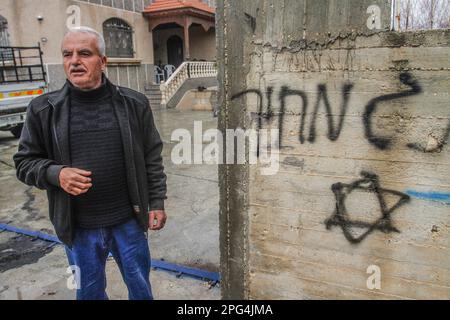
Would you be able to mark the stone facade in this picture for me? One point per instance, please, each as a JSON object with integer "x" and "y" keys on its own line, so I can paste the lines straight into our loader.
{"x": 45, "y": 21}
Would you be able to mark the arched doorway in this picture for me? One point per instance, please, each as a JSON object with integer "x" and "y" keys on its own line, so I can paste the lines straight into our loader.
{"x": 175, "y": 51}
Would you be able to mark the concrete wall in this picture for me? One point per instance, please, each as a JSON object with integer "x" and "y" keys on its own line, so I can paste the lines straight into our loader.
{"x": 26, "y": 30}
{"x": 203, "y": 44}
{"x": 363, "y": 184}
{"x": 191, "y": 84}
{"x": 195, "y": 100}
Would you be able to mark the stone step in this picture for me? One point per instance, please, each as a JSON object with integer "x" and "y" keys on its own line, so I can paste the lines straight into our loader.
{"x": 153, "y": 99}
{"x": 153, "y": 94}
{"x": 156, "y": 93}
{"x": 152, "y": 88}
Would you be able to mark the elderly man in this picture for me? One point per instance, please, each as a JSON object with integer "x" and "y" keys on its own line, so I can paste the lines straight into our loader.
{"x": 94, "y": 147}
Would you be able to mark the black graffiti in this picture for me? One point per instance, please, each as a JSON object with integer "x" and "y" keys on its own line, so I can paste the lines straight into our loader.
{"x": 334, "y": 126}
{"x": 333, "y": 133}
{"x": 260, "y": 114}
{"x": 251, "y": 21}
{"x": 342, "y": 218}
{"x": 286, "y": 92}
{"x": 384, "y": 143}
{"x": 260, "y": 101}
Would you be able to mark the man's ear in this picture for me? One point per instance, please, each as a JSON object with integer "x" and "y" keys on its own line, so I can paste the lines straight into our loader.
{"x": 104, "y": 63}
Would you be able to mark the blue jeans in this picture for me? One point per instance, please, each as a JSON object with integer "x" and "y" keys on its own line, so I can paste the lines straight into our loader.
{"x": 128, "y": 245}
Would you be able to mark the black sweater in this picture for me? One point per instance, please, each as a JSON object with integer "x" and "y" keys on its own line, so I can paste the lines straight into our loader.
{"x": 96, "y": 146}
{"x": 44, "y": 149}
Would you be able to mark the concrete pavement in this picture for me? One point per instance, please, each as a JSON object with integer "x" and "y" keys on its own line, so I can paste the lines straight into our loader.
{"x": 33, "y": 270}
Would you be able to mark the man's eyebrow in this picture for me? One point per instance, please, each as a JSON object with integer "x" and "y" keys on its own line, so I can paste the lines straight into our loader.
{"x": 83, "y": 50}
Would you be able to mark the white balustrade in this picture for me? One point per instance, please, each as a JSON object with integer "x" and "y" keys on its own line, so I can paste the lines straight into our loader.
{"x": 187, "y": 70}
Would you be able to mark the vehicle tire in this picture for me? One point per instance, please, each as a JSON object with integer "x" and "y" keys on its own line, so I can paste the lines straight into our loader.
{"x": 17, "y": 130}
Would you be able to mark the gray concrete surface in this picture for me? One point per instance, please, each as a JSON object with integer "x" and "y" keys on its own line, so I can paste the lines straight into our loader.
{"x": 31, "y": 270}
{"x": 356, "y": 105}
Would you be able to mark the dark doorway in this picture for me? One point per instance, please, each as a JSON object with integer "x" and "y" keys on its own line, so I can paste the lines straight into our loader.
{"x": 175, "y": 51}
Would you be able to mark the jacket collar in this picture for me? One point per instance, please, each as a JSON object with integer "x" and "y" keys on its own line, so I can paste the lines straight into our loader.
{"x": 61, "y": 118}
{"x": 60, "y": 96}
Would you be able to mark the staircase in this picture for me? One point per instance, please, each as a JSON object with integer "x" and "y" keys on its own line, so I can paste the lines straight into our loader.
{"x": 187, "y": 70}
{"x": 188, "y": 76}
{"x": 153, "y": 93}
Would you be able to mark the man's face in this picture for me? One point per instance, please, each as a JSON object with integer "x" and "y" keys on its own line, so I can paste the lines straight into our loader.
{"x": 82, "y": 61}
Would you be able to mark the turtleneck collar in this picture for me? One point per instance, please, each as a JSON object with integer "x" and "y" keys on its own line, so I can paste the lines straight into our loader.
{"x": 93, "y": 95}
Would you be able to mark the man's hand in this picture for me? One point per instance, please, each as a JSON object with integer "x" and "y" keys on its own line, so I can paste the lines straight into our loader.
{"x": 157, "y": 219}
{"x": 75, "y": 181}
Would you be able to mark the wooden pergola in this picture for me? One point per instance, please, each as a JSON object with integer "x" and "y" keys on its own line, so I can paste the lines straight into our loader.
{"x": 183, "y": 13}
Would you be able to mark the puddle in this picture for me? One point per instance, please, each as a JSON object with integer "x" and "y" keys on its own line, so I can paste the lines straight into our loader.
{"x": 21, "y": 250}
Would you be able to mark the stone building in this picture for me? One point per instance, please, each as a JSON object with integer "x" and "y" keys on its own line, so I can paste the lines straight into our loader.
{"x": 139, "y": 34}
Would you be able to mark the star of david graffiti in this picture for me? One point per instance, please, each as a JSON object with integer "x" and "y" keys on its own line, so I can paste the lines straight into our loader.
{"x": 341, "y": 217}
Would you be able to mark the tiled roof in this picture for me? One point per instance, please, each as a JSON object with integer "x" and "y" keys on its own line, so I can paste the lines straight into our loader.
{"x": 167, "y": 5}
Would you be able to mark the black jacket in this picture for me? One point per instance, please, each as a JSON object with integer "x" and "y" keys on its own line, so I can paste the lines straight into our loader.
{"x": 44, "y": 150}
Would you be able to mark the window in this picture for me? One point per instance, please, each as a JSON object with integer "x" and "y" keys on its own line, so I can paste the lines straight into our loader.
{"x": 118, "y": 38}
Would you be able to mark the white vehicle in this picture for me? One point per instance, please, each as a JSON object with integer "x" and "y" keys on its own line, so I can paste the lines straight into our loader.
{"x": 22, "y": 78}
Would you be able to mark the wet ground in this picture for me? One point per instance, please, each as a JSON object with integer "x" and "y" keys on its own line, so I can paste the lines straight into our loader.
{"x": 35, "y": 269}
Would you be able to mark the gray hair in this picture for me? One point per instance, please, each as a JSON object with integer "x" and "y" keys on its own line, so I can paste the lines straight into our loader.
{"x": 100, "y": 40}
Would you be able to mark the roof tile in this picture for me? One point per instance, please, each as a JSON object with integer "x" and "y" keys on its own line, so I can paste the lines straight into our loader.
{"x": 166, "y": 5}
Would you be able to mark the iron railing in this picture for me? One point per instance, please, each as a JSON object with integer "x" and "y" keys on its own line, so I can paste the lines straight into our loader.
{"x": 21, "y": 64}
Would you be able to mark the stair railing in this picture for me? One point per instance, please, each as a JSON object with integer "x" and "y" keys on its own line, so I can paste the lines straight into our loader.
{"x": 187, "y": 70}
